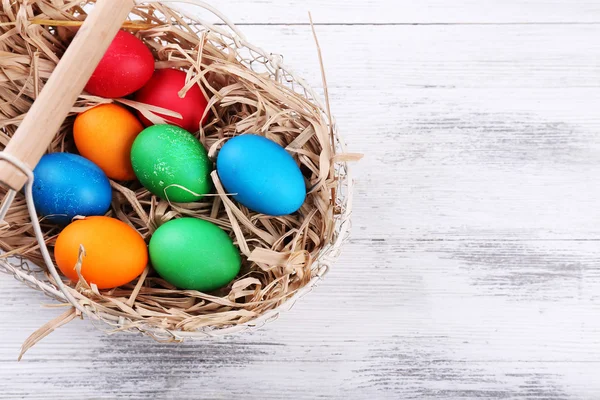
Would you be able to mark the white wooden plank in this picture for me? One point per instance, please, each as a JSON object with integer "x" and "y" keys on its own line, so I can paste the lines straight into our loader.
{"x": 410, "y": 11}
{"x": 455, "y": 168}
{"x": 395, "y": 319}
{"x": 392, "y": 59}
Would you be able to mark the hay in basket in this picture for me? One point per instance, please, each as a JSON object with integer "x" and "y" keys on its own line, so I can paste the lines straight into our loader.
{"x": 249, "y": 91}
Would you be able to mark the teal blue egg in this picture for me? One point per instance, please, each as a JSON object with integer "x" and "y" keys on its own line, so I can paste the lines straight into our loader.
{"x": 261, "y": 175}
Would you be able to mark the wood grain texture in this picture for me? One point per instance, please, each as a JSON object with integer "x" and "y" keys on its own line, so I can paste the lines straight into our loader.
{"x": 409, "y": 11}
{"x": 473, "y": 270}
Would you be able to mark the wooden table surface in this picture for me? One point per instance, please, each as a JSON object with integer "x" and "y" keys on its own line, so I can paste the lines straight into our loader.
{"x": 473, "y": 271}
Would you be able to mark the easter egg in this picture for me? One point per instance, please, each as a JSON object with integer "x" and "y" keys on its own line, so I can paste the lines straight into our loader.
{"x": 125, "y": 67}
{"x": 171, "y": 163}
{"x": 115, "y": 253}
{"x": 163, "y": 91}
{"x": 194, "y": 254}
{"x": 261, "y": 175}
{"x": 104, "y": 135}
{"x": 66, "y": 185}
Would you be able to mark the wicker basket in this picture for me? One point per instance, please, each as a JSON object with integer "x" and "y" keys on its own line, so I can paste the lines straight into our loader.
{"x": 47, "y": 279}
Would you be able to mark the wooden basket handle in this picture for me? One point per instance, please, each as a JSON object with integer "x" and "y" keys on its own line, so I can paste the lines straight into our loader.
{"x": 66, "y": 83}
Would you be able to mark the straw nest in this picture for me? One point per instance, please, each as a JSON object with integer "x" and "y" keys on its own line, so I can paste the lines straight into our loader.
{"x": 246, "y": 95}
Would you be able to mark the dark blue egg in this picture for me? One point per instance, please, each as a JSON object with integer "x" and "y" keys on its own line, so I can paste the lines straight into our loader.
{"x": 261, "y": 175}
{"x": 66, "y": 185}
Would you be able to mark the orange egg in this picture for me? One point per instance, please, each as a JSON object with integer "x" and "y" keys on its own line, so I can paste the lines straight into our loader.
{"x": 104, "y": 135}
{"x": 115, "y": 253}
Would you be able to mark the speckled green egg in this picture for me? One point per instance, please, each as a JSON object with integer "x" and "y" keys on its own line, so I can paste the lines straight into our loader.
{"x": 194, "y": 254}
{"x": 171, "y": 163}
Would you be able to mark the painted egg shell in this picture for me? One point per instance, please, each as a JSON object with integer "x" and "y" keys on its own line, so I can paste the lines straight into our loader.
{"x": 125, "y": 67}
{"x": 66, "y": 185}
{"x": 163, "y": 91}
{"x": 115, "y": 253}
{"x": 104, "y": 135}
{"x": 261, "y": 175}
{"x": 194, "y": 254}
{"x": 171, "y": 163}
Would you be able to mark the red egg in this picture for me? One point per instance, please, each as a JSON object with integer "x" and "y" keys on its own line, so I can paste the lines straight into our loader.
{"x": 125, "y": 67}
{"x": 162, "y": 91}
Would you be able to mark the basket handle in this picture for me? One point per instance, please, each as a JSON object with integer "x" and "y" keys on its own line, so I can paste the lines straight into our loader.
{"x": 49, "y": 110}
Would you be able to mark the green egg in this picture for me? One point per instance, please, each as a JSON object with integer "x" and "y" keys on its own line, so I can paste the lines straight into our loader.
{"x": 166, "y": 159}
{"x": 194, "y": 254}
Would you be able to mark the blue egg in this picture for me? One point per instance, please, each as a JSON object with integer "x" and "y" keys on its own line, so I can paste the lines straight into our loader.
{"x": 66, "y": 185}
{"x": 261, "y": 175}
